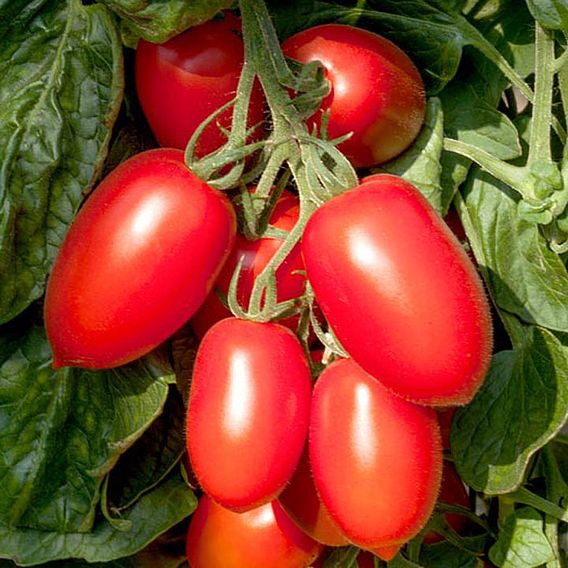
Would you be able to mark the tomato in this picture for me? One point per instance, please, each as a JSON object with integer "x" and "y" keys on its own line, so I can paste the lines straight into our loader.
{"x": 302, "y": 503}
{"x": 452, "y": 492}
{"x": 445, "y": 419}
{"x": 182, "y": 81}
{"x": 376, "y": 458}
{"x": 291, "y": 279}
{"x": 399, "y": 291}
{"x": 261, "y": 538}
{"x": 376, "y": 91}
{"x": 248, "y": 411}
{"x": 137, "y": 262}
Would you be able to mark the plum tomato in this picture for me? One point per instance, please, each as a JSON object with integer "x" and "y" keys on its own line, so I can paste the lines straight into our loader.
{"x": 399, "y": 291}
{"x": 183, "y": 80}
{"x": 291, "y": 279}
{"x": 248, "y": 413}
{"x": 138, "y": 260}
{"x": 261, "y": 538}
{"x": 302, "y": 503}
{"x": 380, "y": 99}
{"x": 376, "y": 458}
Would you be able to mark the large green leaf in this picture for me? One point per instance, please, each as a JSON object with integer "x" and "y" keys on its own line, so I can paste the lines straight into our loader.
{"x": 551, "y": 14}
{"x": 156, "y": 512}
{"x": 524, "y": 276}
{"x": 159, "y": 20}
{"x": 446, "y": 555}
{"x": 62, "y": 431}
{"x": 522, "y": 404}
{"x": 59, "y": 96}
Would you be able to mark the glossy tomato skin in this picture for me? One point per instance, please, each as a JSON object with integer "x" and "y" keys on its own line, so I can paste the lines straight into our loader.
{"x": 290, "y": 276}
{"x": 248, "y": 411}
{"x": 137, "y": 262}
{"x": 182, "y": 81}
{"x": 376, "y": 458}
{"x": 377, "y": 92}
{"x": 302, "y": 503}
{"x": 423, "y": 325}
{"x": 261, "y": 538}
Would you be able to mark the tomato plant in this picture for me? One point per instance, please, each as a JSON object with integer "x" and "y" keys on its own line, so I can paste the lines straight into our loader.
{"x": 426, "y": 333}
{"x": 264, "y": 538}
{"x": 182, "y": 81}
{"x": 132, "y": 269}
{"x": 376, "y": 458}
{"x": 248, "y": 411}
{"x": 380, "y": 99}
{"x": 255, "y": 256}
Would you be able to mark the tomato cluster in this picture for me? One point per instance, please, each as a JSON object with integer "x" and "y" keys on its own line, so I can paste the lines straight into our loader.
{"x": 285, "y": 467}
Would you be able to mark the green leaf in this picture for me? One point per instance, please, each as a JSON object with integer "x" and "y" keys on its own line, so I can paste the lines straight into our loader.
{"x": 522, "y": 542}
{"x": 155, "y": 513}
{"x": 342, "y": 557}
{"x": 59, "y": 96}
{"x": 159, "y": 20}
{"x": 62, "y": 431}
{"x": 420, "y": 164}
{"x": 524, "y": 276}
{"x": 18, "y": 12}
{"x": 551, "y": 14}
{"x": 446, "y": 555}
{"x": 522, "y": 404}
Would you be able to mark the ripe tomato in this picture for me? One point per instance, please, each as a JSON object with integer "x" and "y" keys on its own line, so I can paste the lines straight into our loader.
{"x": 256, "y": 255}
{"x": 380, "y": 98}
{"x": 182, "y": 81}
{"x": 423, "y": 326}
{"x": 137, "y": 262}
{"x": 248, "y": 411}
{"x": 302, "y": 503}
{"x": 376, "y": 458}
{"x": 262, "y": 538}
{"x": 452, "y": 492}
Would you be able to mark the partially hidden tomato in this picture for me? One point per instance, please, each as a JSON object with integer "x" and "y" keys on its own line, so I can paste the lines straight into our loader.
{"x": 452, "y": 492}
{"x": 183, "y": 80}
{"x": 248, "y": 411}
{"x": 261, "y": 538}
{"x": 255, "y": 255}
{"x": 302, "y": 503}
{"x": 376, "y": 458}
{"x": 138, "y": 260}
{"x": 399, "y": 291}
{"x": 376, "y": 91}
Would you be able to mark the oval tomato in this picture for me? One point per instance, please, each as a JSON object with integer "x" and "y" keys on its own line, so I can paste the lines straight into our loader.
{"x": 380, "y": 99}
{"x": 262, "y": 538}
{"x": 137, "y": 262}
{"x": 182, "y": 81}
{"x": 376, "y": 458}
{"x": 248, "y": 411}
{"x": 290, "y": 276}
{"x": 399, "y": 291}
{"x": 302, "y": 503}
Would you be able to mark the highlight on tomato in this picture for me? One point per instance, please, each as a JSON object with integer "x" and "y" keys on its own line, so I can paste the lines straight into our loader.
{"x": 255, "y": 255}
{"x": 261, "y": 538}
{"x": 183, "y": 80}
{"x": 137, "y": 261}
{"x": 248, "y": 412}
{"x": 376, "y": 458}
{"x": 423, "y": 325}
{"x": 380, "y": 99}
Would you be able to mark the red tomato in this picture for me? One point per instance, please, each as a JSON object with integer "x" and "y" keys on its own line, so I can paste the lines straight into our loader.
{"x": 137, "y": 262}
{"x": 262, "y": 538}
{"x": 452, "y": 492}
{"x": 182, "y": 81}
{"x": 445, "y": 418}
{"x": 376, "y": 458}
{"x": 376, "y": 91}
{"x": 248, "y": 411}
{"x": 302, "y": 503}
{"x": 256, "y": 255}
{"x": 399, "y": 291}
